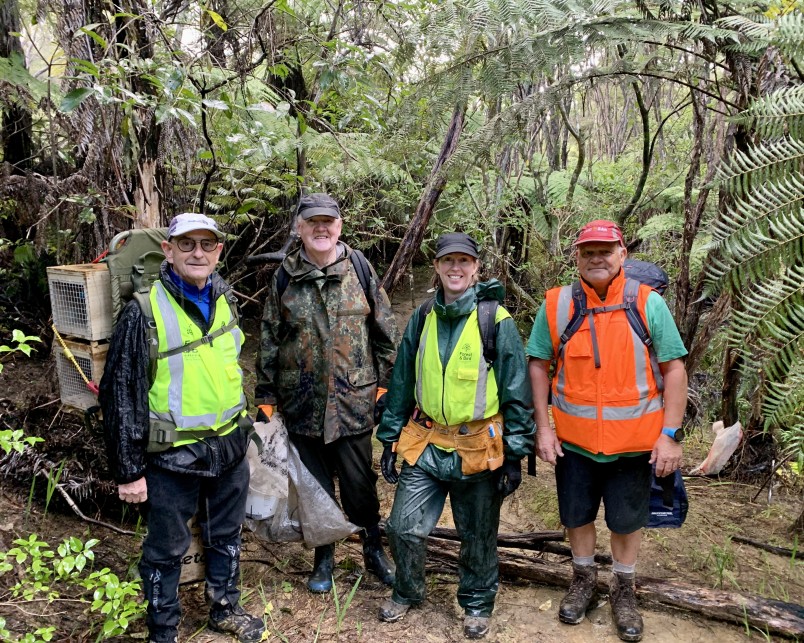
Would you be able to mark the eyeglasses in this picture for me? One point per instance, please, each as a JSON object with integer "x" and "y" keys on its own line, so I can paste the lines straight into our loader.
{"x": 185, "y": 244}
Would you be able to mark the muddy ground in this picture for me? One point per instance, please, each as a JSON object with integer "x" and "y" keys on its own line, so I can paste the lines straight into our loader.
{"x": 701, "y": 552}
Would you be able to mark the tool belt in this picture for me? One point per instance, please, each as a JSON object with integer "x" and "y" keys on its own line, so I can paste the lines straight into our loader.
{"x": 163, "y": 434}
{"x": 479, "y": 443}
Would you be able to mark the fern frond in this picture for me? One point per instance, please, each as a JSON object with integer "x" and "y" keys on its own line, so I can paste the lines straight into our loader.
{"x": 753, "y": 26}
{"x": 762, "y": 164}
{"x": 789, "y": 36}
{"x": 784, "y": 406}
{"x": 772, "y": 312}
{"x": 778, "y": 114}
{"x": 758, "y": 233}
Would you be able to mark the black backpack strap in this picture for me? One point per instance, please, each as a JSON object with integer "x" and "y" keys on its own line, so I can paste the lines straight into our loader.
{"x": 634, "y": 318}
{"x": 486, "y": 319}
{"x": 639, "y": 327}
{"x": 424, "y": 310}
{"x": 363, "y": 271}
{"x": 578, "y": 313}
{"x": 282, "y": 281}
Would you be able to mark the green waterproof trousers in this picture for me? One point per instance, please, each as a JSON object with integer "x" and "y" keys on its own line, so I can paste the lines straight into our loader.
{"x": 418, "y": 503}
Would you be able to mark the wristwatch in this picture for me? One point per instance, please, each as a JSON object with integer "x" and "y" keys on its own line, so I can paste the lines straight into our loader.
{"x": 676, "y": 434}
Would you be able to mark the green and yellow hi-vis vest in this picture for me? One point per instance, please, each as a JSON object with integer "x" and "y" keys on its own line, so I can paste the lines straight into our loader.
{"x": 198, "y": 386}
{"x": 473, "y": 391}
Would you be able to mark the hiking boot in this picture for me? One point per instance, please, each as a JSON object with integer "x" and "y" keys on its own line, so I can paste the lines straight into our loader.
{"x": 582, "y": 591}
{"x": 171, "y": 637}
{"x": 374, "y": 557}
{"x": 237, "y": 622}
{"x": 475, "y": 627}
{"x": 320, "y": 581}
{"x": 624, "y": 607}
{"x": 391, "y": 611}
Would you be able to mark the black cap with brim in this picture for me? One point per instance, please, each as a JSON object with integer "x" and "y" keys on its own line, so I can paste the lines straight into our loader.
{"x": 309, "y": 213}
{"x": 318, "y": 205}
{"x": 456, "y": 242}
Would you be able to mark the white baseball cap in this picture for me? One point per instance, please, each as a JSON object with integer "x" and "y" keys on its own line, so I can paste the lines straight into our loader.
{"x": 190, "y": 222}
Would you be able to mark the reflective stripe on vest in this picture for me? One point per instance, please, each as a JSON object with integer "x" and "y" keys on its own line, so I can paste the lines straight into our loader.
{"x": 472, "y": 385}
{"x": 201, "y": 388}
{"x": 628, "y": 415}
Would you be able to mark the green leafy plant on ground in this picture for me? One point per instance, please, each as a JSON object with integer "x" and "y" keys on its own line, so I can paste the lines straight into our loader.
{"x": 14, "y": 439}
{"x": 47, "y": 576}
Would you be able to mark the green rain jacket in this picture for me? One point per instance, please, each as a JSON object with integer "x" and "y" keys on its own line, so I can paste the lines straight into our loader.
{"x": 325, "y": 348}
{"x": 510, "y": 370}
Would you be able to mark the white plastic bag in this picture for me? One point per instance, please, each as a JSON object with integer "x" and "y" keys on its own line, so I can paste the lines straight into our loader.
{"x": 285, "y": 502}
{"x": 269, "y": 469}
{"x": 726, "y": 442}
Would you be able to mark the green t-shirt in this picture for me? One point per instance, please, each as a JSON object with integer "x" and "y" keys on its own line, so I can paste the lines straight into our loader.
{"x": 663, "y": 331}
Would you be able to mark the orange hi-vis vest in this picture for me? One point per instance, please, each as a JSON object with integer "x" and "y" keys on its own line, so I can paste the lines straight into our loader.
{"x": 616, "y": 407}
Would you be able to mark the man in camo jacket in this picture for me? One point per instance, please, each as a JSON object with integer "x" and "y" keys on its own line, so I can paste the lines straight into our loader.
{"x": 328, "y": 346}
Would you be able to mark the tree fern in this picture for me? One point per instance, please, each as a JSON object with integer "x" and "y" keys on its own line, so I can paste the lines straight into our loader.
{"x": 757, "y": 249}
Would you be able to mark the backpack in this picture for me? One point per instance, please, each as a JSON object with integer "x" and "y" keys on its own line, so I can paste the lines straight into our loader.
{"x": 486, "y": 316}
{"x": 636, "y": 273}
{"x": 361, "y": 267}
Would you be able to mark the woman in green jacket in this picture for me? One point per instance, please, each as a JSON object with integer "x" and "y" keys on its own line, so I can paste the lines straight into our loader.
{"x": 461, "y": 419}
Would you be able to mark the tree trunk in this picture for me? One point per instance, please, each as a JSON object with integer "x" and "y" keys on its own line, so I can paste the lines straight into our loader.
{"x": 412, "y": 240}
{"x": 644, "y": 114}
{"x": 15, "y": 133}
{"x": 730, "y": 388}
{"x": 578, "y": 135}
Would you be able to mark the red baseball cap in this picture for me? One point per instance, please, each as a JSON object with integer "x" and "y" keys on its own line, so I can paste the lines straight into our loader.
{"x": 600, "y": 230}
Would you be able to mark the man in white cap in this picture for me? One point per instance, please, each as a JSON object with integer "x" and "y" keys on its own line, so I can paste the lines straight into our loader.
{"x": 176, "y": 427}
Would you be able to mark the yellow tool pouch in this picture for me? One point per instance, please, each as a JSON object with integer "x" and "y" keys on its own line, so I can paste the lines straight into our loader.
{"x": 479, "y": 443}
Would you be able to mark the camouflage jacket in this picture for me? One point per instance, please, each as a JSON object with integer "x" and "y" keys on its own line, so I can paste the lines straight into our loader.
{"x": 324, "y": 349}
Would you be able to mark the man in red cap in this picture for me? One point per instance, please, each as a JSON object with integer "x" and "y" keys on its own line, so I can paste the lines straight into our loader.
{"x": 617, "y": 405}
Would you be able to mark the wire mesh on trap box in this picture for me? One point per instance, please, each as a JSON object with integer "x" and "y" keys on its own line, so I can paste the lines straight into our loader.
{"x": 80, "y": 297}
{"x": 91, "y": 358}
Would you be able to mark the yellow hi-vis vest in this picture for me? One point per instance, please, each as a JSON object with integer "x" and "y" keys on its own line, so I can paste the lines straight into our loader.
{"x": 472, "y": 388}
{"x": 199, "y": 389}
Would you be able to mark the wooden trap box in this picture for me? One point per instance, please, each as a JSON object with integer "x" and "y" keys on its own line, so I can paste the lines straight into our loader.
{"x": 193, "y": 567}
{"x": 91, "y": 357}
{"x": 80, "y": 296}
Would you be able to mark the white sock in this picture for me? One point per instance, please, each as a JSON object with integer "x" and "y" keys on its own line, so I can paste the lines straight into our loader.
{"x": 619, "y": 568}
{"x": 583, "y": 561}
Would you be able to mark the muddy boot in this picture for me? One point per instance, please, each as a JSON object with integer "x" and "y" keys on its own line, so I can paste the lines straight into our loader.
{"x": 624, "y": 607}
{"x": 374, "y": 557}
{"x": 164, "y": 637}
{"x": 582, "y": 591}
{"x": 391, "y": 611}
{"x": 236, "y": 621}
{"x": 475, "y": 627}
{"x": 320, "y": 581}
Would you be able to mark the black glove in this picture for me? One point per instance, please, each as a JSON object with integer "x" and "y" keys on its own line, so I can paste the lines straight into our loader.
{"x": 510, "y": 477}
{"x": 379, "y": 408}
{"x": 388, "y": 465}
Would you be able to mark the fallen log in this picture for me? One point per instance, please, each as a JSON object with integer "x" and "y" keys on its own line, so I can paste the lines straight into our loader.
{"x": 782, "y": 551}
{"x": 775, "y": 617}
{"x": 531, "y": 541}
